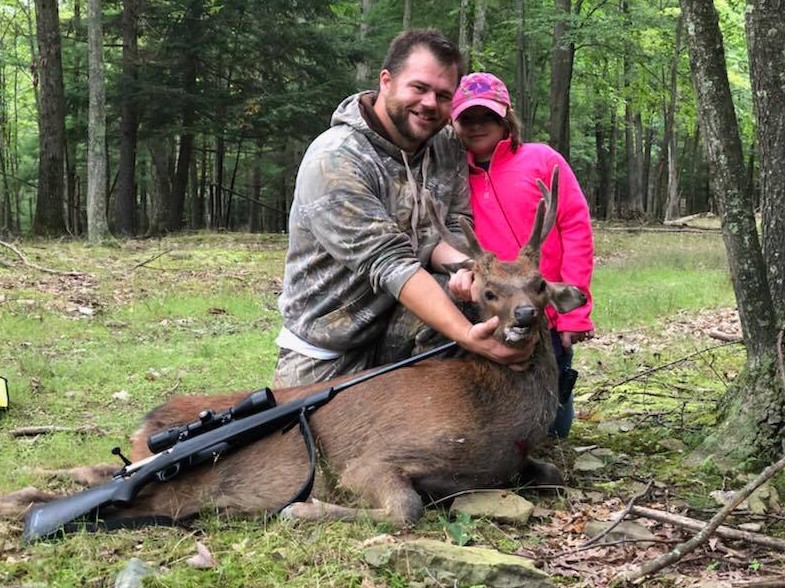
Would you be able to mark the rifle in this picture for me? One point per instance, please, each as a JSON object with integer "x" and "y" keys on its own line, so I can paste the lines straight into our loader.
{"x": 182, "y": 448}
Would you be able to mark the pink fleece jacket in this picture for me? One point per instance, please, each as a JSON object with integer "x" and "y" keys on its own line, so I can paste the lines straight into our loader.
{"x": 504, "y": 201}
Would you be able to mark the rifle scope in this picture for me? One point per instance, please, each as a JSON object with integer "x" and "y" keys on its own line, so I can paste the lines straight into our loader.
{"x": 208, "y": 420}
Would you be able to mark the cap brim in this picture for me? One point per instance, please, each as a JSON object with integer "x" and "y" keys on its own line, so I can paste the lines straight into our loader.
{"x": 492, "y": 105}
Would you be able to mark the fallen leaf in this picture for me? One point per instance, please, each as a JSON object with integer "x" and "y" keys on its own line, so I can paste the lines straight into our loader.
{"x": 203, "y": 560}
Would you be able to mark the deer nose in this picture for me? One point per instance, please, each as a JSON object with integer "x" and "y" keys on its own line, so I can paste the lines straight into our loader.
{"x": 525, "y": 316}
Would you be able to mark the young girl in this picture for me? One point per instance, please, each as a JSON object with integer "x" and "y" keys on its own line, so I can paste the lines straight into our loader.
{"x": 503, "y": 174}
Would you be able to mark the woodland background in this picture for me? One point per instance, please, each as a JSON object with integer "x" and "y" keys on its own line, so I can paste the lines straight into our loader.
{"x": 192, "y": 114}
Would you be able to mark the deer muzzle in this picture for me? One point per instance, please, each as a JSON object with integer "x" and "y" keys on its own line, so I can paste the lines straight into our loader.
{"x": 525, "y": 317}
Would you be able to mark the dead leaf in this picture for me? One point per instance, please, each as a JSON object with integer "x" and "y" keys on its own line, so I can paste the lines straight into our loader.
{"x": 203, "y": 560}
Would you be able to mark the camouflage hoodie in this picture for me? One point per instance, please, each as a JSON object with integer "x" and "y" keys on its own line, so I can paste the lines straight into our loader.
{"x": 352, "y": 245}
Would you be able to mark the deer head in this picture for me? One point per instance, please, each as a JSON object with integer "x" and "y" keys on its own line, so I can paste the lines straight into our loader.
{"x": 515, "y": 291}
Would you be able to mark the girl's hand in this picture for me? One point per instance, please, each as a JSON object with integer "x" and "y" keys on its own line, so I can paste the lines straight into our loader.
{"x": 460, "y": 284}
{"x": 570, "y": 337}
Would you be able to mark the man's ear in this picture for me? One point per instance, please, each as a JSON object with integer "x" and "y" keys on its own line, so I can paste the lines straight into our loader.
{"x": 384, "y": 80}
{"x": 564, "y": 297}
{"x": 454, "y": 267}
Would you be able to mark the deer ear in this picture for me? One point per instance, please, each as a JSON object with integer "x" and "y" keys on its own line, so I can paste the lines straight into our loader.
{"x": 565, "y": 298}
{"x": 454, "y": 267}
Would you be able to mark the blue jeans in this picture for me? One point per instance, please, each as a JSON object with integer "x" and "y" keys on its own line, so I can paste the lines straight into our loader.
{"x": 566, "y": 413}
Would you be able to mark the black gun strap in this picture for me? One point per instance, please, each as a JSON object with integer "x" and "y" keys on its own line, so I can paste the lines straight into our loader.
{"x": 305, "y": 490}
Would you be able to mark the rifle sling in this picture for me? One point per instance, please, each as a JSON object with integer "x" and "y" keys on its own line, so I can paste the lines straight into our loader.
{"x": 305, "y": 490}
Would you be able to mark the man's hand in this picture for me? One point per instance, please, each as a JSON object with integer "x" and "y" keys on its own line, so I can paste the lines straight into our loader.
{"x": 568, "y": 338}
{"x": 480, "y": 340}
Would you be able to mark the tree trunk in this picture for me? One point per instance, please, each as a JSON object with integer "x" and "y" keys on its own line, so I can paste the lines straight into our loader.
{"x": 161, "y": 188}
{"x": 193, "y": 24}
{"x": 363, "y": 75}
{"x": 463, "y": 33}
{"x": 97, "y": 228}
{"x": 765, "y": 42}
{"x": 672, "y": 208}
{"x": 562, "y": 57}
{"x": 478, "y": 31}
{"x": 524, "y": 78}
{"x": 633, "y": 203}
{"x": 6, "y": 213}
{"x": 73, "y": 186}
{"x": 125, "y": 201}
{"x": 255, "y": 209}
{"x": 407, "y": 14}
{"x": 603, "y": 189}
{"x": 752, "y": 423}
{"x": 196, "y": 219}
{"x": 49, "y": 219}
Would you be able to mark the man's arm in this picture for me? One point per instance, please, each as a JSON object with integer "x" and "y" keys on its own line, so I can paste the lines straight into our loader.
{"x": 423, "y": 295}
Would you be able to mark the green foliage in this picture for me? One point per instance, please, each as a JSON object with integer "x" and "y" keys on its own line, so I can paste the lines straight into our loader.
{"x": 460, "y": 530}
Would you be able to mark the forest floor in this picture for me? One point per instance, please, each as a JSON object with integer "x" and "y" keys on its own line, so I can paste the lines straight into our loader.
{"x": 93, "y": 337}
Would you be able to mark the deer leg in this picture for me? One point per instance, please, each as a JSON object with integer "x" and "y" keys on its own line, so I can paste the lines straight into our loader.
{"x": 17, "y": 503}
{"x": 392, "y": 495}
{"x": 540, "y": 474}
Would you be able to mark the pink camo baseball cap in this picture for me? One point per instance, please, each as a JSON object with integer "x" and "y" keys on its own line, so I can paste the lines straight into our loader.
{"x": 481, "y": 89}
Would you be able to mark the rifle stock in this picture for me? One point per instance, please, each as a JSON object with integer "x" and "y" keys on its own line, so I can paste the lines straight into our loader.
{"x": 46, "y": 520}
{"x": 49, "y": 519}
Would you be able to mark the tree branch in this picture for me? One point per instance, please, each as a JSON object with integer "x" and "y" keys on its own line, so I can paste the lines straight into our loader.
{"x": 703, "y": 536}
{"x": 38, "y": 267}
{"x": 697, "y": 525}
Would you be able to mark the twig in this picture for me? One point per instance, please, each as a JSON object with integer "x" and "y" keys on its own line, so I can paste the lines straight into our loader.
{"x": 152, "y": 259}
{"x": 28, "y": 263}
{"x": 723, "y": 336}
{"x": 697, "y": 525}
{"x": 621, "y": 516}
{"x": 48, "y": 429}
{"x": 675, "y": 229}
{"x": 702, "y": 537}
{"x": 657, "y": 368}
{"x": 770, "y": 582}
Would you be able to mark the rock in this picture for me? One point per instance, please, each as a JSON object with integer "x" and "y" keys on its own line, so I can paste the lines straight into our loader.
{"x": 133, "y": 574}
{"x": 458, "y": 566}
{"x": 671, "y": 444}
{"x": 588, "y": 463}
{"x": 502, "y": 505}
{"x": 628, "y": 530}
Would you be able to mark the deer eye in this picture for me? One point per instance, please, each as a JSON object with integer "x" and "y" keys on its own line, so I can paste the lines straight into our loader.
{"x": 541, "y": 287}
{"x": 489, "y": 295}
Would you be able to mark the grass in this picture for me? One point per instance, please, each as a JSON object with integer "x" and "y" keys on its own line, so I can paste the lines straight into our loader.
{"x": 197, "y": 313}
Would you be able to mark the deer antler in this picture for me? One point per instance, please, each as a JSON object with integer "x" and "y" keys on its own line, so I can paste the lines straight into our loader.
{"x": 473, "y": 250}
{"x": 546, "y": 214}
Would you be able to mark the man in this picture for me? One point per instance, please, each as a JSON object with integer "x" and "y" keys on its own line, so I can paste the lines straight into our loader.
{"x": 359, "y": 235}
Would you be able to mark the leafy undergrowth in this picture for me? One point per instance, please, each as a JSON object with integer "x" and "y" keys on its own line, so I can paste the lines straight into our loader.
{"x": 143, "y": 320}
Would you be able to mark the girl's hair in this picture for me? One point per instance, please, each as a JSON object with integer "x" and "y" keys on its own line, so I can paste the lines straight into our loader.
{"x": 512, "y": 129}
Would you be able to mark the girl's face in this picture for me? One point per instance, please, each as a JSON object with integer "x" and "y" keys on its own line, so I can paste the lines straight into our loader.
{"x": 480, "y": 129}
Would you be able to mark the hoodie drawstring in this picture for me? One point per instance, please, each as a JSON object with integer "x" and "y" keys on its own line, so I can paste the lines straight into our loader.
{"x": 419, "y": 195}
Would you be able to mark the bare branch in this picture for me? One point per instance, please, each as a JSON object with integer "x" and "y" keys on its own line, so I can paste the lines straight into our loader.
{"x": 703, "y": 536}
{"x": 696, "y": 525}
{"x": 28, "y": 263}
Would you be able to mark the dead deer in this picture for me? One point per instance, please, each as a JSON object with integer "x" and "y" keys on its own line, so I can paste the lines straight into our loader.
{"x": 431, "y": 430}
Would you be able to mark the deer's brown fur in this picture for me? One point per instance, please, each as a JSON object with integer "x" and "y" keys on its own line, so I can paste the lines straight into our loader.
{"x": 433, "y": 429}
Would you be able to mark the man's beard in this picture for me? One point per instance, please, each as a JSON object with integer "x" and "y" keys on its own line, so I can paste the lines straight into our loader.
{"x": 399, "y": 115}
